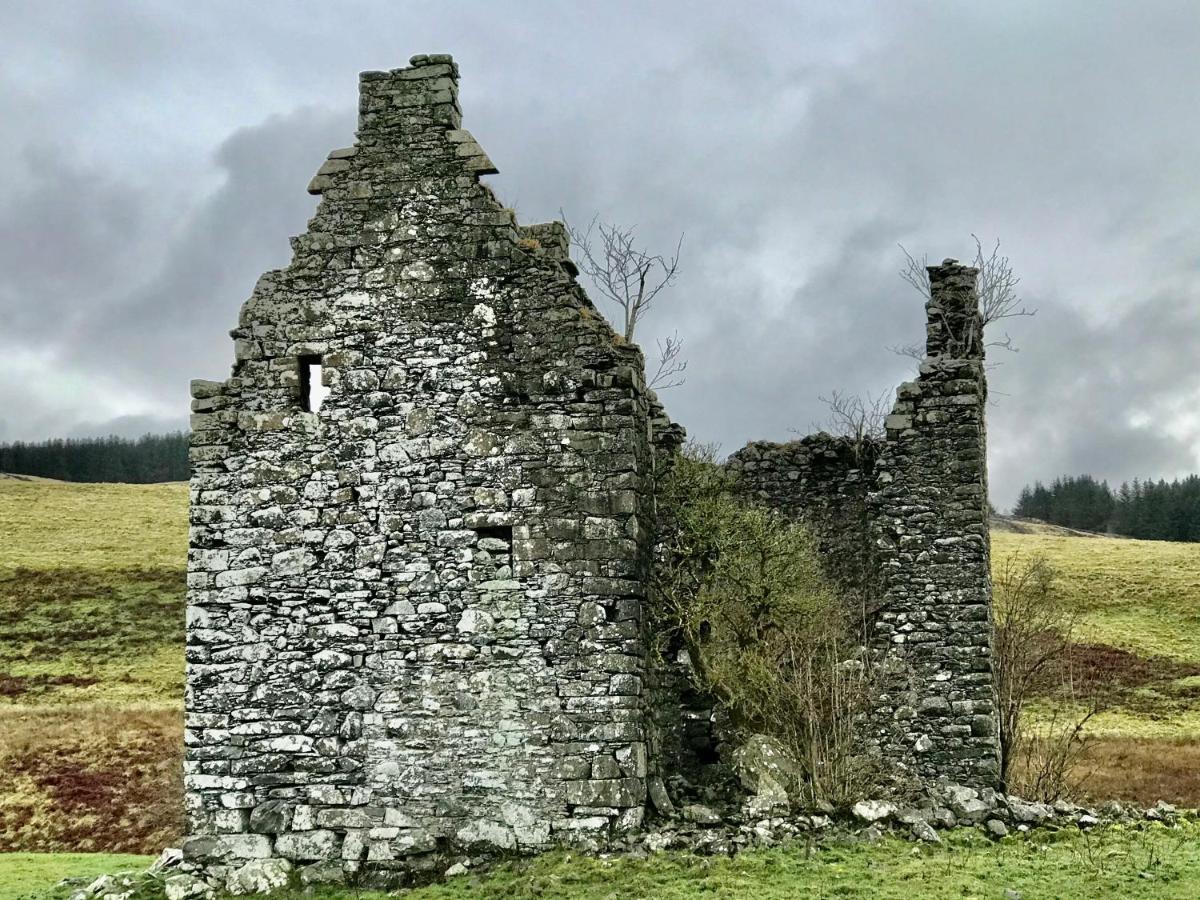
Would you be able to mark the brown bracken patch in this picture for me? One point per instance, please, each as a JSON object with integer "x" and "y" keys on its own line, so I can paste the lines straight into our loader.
{"x": 103, "y": 780}
{"x": 1098, "y": 669}
{"x": 1143, "y": 771}
{"x": 17, "y": 685}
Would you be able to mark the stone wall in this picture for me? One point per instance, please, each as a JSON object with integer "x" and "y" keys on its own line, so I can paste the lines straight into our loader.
{"x": 416, "y": 608}
{"x": 415, "y": 613}
{"x": 934, "y": 632}
{"x": 824, "y": 481}
{"x": 902, "y": 524}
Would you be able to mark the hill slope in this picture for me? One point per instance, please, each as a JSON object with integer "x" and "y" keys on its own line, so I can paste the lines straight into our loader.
{"x": 91, "y": 664}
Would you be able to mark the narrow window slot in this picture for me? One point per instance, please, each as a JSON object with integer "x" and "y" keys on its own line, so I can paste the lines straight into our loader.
{"x": 312, "y": 391}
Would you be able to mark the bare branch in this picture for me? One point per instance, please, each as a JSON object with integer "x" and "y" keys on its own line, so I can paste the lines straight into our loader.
{"x": 912, "y": 351}
{"x": 916, "y": 272}
{"x": 857, "y": 417}
{"x": 996, "y": 286}
{"x": 670, "y": 367}
{"x": 625, "y": 273}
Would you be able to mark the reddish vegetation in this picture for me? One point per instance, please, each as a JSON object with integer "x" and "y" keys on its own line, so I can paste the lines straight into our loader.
{"x": 1101, "y": 666}
{"x": 17, "y": 685}
{"x": 1110, "y": 674}
{"x": 90, "y": 781}
{"x": 1143, "y": 771}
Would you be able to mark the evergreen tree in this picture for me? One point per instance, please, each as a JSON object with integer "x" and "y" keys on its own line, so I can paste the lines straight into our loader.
{"x": 150, "y": 458}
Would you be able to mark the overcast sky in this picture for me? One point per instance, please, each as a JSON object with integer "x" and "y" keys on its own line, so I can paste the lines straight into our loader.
{"x": 155, "y": 155}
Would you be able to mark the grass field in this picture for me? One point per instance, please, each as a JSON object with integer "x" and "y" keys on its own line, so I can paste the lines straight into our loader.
{"x": 34, "y": 874}
{"x": 91, "y": 668}
{"x": 1116, "y": 862}
{"x": 91, "y": 633}
{"x": 1139, "y": 628}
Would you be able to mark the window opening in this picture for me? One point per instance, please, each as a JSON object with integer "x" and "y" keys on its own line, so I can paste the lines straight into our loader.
{"x": 312, "y": 391}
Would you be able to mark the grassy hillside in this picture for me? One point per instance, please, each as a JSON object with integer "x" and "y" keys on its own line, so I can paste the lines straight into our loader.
{"x": 91, "y": 668}
{"x": 91, "y": 635}
{"x": 1139, "y": 631}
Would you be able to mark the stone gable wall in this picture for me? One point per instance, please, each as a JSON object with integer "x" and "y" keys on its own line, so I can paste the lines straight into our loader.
{"x": 415, "y": 615}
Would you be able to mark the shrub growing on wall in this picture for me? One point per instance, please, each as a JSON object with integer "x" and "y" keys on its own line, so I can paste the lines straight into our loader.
{"x": 766, "y": 632}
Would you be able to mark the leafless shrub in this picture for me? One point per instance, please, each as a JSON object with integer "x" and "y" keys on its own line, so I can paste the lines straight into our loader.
{"x": 1031, "y": 647}
{"x": 858, "y": 417}
{"x": 1047, "y": 766}
{"x": 996, "y": 286}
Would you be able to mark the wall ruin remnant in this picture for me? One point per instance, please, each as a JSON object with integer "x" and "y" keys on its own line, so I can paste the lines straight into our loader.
{"x": 934, "y": 627}
{"x": 903, "y": 524}
{"x": 416, "y": 613}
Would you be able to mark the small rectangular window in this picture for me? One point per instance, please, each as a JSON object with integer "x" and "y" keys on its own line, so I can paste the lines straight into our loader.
{"x": 312, "y": 391}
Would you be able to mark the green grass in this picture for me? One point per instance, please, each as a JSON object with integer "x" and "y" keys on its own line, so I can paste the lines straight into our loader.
{"x": 52, "y": 525}
{"x": 968, "y": 865}
{"x": 1141, "y": 596}
{"x": 91, "y": 592}
{"x": 1112, "y": 862}
{"x": 34, "y": 874}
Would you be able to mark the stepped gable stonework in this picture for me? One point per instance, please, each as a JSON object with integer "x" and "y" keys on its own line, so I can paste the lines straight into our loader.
{"x": 416, "y": 605}
{"x": 902, "y": 524}
{"x": 415, "y": 612}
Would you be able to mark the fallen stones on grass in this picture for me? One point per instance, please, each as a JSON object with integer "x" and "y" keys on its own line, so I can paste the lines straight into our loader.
{"x": 871, "y": 811}
{"x": 996, "y": 828}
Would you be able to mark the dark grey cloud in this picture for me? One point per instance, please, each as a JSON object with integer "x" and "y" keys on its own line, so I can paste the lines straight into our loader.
{"x": 184, "y": 312}
{"x": 158, "y": 154}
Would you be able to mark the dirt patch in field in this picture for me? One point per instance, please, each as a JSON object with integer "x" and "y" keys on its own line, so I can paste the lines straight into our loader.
{"x": 1100, "y": 666}
{"x": 90, "y": 780}
{"x": 20, "y": 685}
{"x": 1112, "y": 675}
{"x": 1142, "y": 771}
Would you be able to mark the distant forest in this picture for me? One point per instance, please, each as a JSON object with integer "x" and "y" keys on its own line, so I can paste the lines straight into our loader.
{"x": 1152, "y": 510}
{"x": 152, "y": 457}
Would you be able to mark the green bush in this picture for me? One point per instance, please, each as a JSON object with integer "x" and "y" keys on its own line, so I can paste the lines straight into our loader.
{"x": 766, "y": 632}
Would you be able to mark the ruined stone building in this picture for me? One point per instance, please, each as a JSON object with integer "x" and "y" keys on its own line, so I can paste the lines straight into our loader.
{"x": 421, "y": 519}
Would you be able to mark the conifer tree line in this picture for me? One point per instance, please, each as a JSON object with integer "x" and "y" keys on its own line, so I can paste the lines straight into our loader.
{"x": 1152, "y": 510}
{"x": 150, "y": 458}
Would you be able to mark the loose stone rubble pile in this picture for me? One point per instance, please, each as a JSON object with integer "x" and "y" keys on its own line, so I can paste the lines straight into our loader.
{"x": 698, "y": 829}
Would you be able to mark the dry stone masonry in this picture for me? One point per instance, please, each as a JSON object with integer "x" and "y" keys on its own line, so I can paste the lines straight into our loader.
{"x": 903, "y": 524}
{"x": 421, "y": 514}
{"x": 934, "y": 627}
{"x": 415, "y": 613}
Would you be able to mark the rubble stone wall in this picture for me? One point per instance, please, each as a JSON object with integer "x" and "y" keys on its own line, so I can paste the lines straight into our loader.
{"x": 416, "y": 608}
{"x": 902, "y": 522}
{"x": 415, "y": 613}
{"x": 824, "y": 481}
{"x": 934, "y": 632}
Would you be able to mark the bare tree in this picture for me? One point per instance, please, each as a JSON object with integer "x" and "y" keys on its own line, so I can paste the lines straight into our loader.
{"x": 1033, "y": 635}
{"x": 624, "y": 272}
{"x": 996, "y": 286}
{"x": 855, "y": 416}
